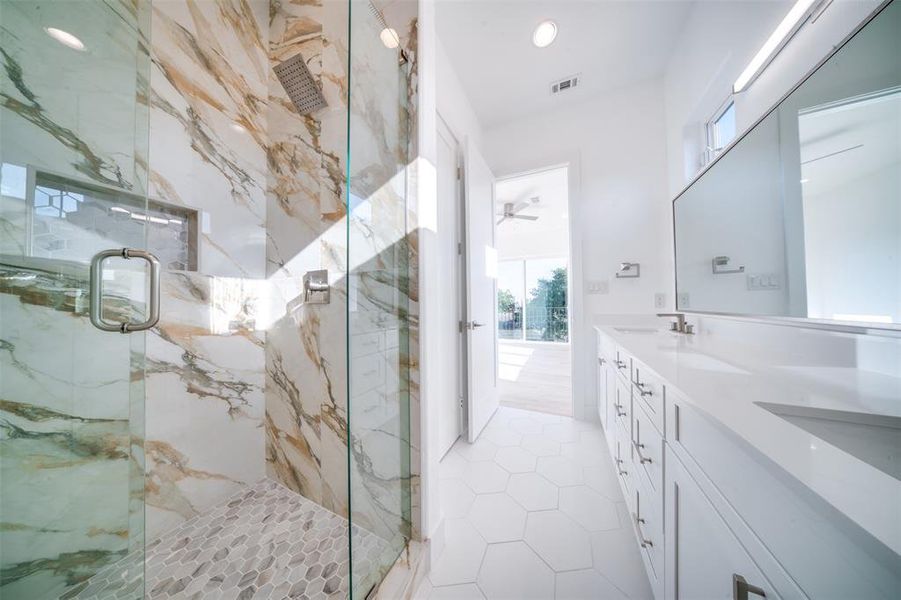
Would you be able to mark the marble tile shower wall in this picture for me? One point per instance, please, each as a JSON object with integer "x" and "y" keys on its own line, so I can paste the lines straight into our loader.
{"x": 242, "y": 381}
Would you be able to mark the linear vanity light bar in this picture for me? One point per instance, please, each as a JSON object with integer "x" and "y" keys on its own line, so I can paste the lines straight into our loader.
{"x": 792, "y": 22}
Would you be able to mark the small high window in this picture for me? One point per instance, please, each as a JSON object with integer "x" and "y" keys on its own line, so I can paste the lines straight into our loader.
{"x": 721, "y": 128}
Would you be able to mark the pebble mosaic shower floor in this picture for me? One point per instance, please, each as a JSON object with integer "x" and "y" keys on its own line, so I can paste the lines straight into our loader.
{"x": 266, "y": 542}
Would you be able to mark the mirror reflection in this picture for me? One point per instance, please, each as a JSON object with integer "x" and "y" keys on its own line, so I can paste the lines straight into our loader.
{"x": 802, "y": 216}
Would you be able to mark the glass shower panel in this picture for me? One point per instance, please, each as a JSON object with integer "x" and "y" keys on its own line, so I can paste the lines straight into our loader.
{"x": 73, "y": 150}
{"x": 378, "y": 293}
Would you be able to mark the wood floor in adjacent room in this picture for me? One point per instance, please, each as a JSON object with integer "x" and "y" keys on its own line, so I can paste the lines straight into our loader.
{"x": 535, "y": 376}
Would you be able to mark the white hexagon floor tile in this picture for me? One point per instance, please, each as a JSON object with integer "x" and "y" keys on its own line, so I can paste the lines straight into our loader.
{"x": 539, "y": 445}
{"x": 512, "y": 571}
{"x": 453, "y": 466}
{"x": 560, "y": 470}
{"x": 602, "y": 479}
{"x": 532, "y": 491}
{"x": 516, "y": 459}
{"x": 467, "y": 591}
{"x": 480, "y": 450}
{"x": 486, "y": 478}
{"x": 525, "y": 425}
{"x": 498, "y": 518}
{"x": 616, "y": 556}
{"x": 562, "y": 432}
{"x": 584, "y": 585}
{"x": 588, "y": 508}
{"x": 560, "y": 541}
{"x": 462, "y": 554}
{"x": 456, "y": 498}
{"x": 502, "y": 436}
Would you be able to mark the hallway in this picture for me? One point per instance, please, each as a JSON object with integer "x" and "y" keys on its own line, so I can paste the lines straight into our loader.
{"x": 535, "y": 376}
{"x": 533, "y": 510}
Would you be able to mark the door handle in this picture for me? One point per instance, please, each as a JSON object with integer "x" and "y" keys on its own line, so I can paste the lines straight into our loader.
{"x": 741, "y": 588}
{"x": 474, "y": 325}
{"x": 153, "y": 305}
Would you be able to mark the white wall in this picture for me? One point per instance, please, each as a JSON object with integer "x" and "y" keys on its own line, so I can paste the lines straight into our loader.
{"x": 718, "y": 41}
{"x": 619, "y": 205}
{"x": 453, "y": 104}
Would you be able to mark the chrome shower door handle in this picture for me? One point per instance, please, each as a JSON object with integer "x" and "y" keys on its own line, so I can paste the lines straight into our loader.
{"x": 153, "y": 313}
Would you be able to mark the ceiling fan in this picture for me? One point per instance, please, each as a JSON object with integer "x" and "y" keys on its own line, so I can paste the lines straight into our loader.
{"x": 511, "y": 210}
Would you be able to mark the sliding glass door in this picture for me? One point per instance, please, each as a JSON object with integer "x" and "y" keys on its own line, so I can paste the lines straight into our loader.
{"x": 532, "y": 300}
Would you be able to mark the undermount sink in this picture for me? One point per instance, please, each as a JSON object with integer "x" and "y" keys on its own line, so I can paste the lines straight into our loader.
{"x": 874, "y": 439}
{"x": 637, "y": 329}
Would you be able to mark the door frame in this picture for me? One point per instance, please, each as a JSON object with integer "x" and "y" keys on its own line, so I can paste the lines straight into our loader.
{"x": 442, "y": 129}
{"x": 581, "y": 362}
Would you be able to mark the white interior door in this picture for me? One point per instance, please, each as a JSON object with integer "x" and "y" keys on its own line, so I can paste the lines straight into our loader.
{"x": 449, "y": 387}
{"x": 481, "y": 289}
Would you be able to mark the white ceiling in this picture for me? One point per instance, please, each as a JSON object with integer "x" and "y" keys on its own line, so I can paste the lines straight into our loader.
{"x": 611, "y": 43}
{"x": 549, "y": 235}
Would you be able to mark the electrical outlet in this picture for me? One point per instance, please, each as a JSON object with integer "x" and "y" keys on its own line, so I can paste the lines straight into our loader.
{"x": 600, "y": 286}
{"x": 763, "y": 281}
{"x": 659, "y": 300}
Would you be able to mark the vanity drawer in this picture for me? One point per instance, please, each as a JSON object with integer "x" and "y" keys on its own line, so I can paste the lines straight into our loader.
{"x": 622, "y": 405}
{"x": 650, "y": 393}
{"x": 622, "y": 462}
{"x": 647, "y": 448}
{"x": 647, "y": 521}
{"x": 622, "y": 364}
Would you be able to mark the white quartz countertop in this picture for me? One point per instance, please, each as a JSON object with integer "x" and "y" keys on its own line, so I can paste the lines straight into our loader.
{"x": 728, "y": 381}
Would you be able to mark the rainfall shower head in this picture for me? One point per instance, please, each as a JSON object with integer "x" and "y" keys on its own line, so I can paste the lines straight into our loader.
{"x": 299, "y": 84}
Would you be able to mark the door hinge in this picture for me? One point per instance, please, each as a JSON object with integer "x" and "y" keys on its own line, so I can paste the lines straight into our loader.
{"x": 459, "y": 173}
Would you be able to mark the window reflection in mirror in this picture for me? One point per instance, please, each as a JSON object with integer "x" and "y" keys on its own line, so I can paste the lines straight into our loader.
{"x": 802, "y": 216}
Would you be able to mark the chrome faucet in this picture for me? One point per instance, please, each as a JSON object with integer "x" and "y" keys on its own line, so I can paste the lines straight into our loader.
{"x": 679, "y": 325}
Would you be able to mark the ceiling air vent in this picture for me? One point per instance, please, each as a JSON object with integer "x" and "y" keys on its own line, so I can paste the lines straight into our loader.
{"x": 565, "y": 85}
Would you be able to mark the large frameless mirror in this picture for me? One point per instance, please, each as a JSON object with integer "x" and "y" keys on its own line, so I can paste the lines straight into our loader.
{"x": 801, "y": 217}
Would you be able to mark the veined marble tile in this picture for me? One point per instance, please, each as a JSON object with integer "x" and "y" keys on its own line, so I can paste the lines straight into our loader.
{"x": 208, "y": 125}
{"x": 205, "y": 405}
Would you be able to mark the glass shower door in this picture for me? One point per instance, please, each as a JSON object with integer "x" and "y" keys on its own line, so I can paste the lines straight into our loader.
{"x": 73, "y": 153}
{"x": 378, "y": 288}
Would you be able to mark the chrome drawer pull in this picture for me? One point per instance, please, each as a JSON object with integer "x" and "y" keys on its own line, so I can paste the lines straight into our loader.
{"x": 645, "y": 543}
{"x": 741, "y": 588}
{"x": 641, "y": 458}
{"x": 618, "y": 407}
{"x": 601, "y": 361}
{"x": 619, "y": 364}
{"x": 642, "y": 390}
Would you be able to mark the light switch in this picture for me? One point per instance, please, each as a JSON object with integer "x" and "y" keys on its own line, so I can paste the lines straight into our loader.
{"x": 598, "y": 286}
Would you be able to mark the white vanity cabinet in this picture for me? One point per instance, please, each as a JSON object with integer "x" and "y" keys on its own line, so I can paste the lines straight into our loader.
{"x": 714, "y": 517}
{"x": 704, "y": 559}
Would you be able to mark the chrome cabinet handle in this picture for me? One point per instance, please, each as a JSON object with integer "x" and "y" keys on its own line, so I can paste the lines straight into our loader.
{"x": 641, "y": 389}
{"x": 741, "y": 588}
{"x": 96, "y": 311}
{"x": 602, "y": 361}
{"x": 641, "y": 458}
{"x": 645, "y": 543}
{"x": 619, "y": 364}
{"x": 618, "y": 407}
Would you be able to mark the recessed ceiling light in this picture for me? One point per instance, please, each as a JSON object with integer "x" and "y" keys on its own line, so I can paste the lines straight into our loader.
{"x": 65, "y": 38}
{"x": 544, "y": 34}
{"x": 389, "y": 38}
